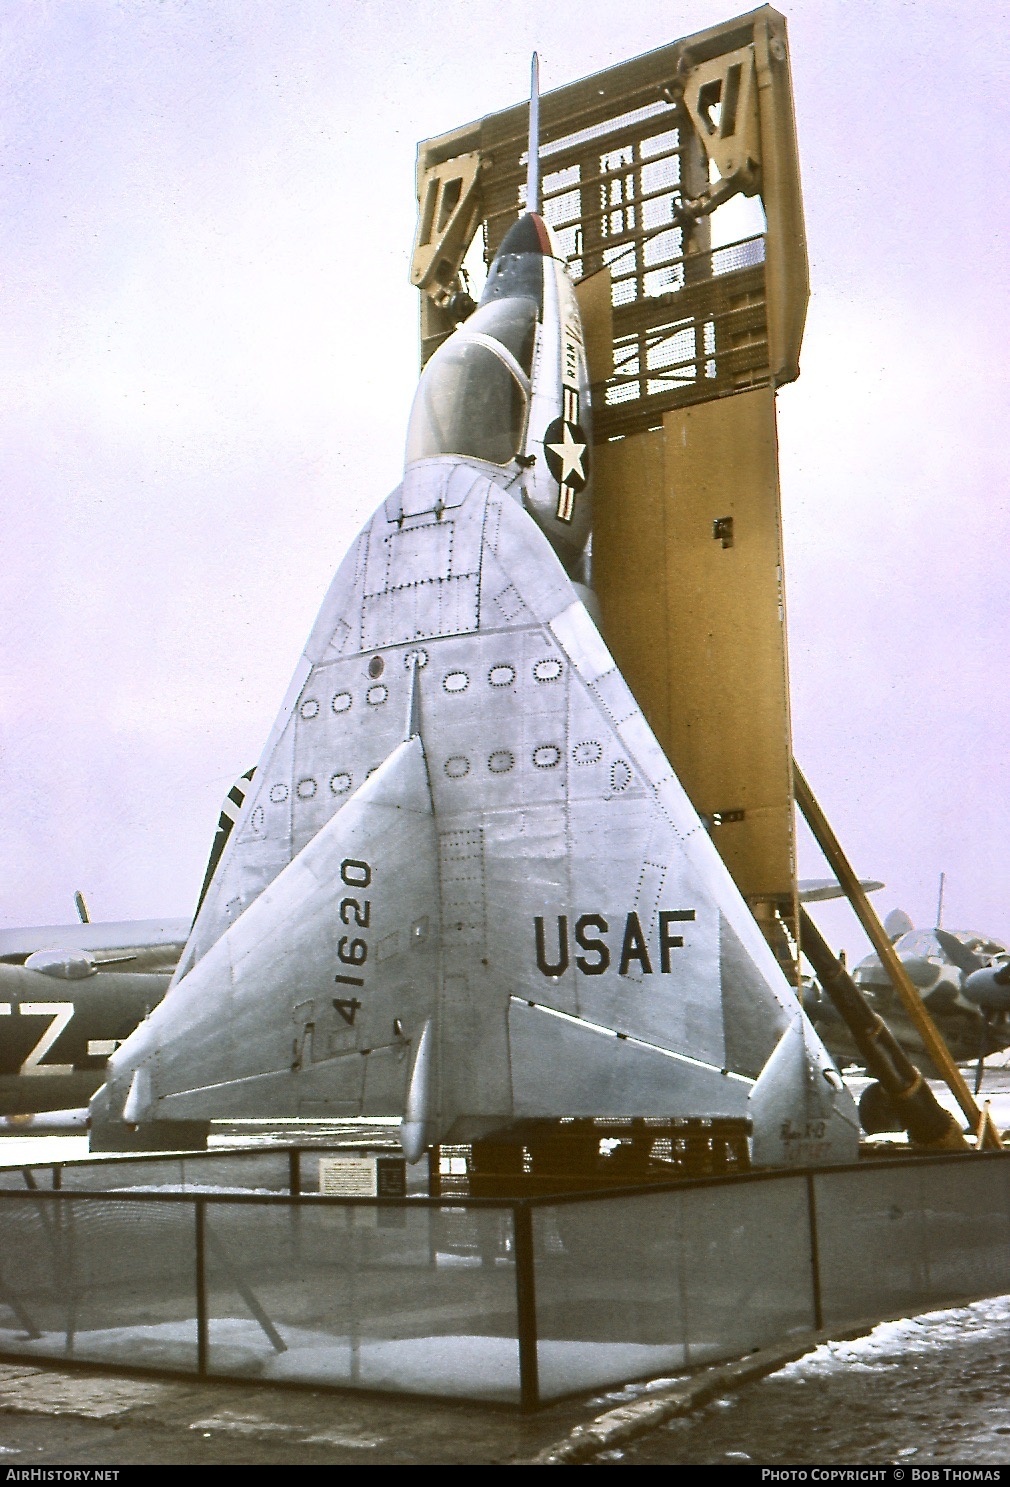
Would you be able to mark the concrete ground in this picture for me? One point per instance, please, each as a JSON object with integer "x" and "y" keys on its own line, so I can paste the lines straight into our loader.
{"x": 57, "y": 1416}
{"x": 920, "y": 1391}
{"x": 928, "y": 1393}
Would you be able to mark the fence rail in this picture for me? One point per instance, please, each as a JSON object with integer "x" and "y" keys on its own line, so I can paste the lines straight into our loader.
{"x": 224, "y": 1265}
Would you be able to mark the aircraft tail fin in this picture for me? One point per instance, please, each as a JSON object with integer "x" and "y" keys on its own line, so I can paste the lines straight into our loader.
{"x": 533, "y": 169}
{"x": 312, "y": 1000}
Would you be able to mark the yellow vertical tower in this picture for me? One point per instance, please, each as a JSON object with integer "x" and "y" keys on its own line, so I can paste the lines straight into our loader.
{"x": 688, "y": 568}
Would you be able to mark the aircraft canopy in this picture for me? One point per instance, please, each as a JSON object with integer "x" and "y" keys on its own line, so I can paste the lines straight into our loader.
{"x": 473, "y": 394}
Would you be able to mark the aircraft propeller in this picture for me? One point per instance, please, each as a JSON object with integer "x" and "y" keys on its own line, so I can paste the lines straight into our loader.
{"x": 985, "y": 984}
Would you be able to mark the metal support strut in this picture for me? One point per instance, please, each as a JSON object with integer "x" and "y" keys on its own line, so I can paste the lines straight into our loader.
{"x": 986, "y": 1134}
{"x": 915, "y": 1104}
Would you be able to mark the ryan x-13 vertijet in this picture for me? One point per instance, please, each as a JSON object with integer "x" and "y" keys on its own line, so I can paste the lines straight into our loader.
{"x": 466, "y": 887}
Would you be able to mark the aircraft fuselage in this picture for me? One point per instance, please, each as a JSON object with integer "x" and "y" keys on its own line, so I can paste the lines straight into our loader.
{"x": 56, "y": 1035}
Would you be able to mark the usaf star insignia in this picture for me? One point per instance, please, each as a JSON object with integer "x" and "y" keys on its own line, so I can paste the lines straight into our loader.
{"x": 566, "y": 450}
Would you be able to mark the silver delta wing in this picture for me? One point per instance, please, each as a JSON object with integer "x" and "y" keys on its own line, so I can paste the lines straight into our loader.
{"x": 524, "y": 873}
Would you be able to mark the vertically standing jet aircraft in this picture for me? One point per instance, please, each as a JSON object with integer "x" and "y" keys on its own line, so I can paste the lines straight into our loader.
{"x": 466, "y": 887}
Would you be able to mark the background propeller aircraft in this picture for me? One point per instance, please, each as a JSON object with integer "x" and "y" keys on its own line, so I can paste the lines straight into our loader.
{"x": 69, "y": 995}
{"x": 940, "y": 963}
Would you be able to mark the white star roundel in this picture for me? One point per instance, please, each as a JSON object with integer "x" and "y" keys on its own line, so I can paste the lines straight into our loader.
{"x": 566, "y": 450}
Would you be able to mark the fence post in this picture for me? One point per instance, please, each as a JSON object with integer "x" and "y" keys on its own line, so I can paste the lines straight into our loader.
{"x": 815, "y": 1261}
{"x": 295, "y": 1191}
{"x": 526, "y": 1308}
{"x": 200, "y": 1215}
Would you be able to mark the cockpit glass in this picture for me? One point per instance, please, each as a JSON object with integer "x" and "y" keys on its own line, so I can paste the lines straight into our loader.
{"x": 918, "y": 942}
{"x": 511, "y": 321}
{"x": 469, "y": 401}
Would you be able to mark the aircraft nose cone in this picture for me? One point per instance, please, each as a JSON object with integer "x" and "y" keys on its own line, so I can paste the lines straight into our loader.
{"x": 528, "y": 235}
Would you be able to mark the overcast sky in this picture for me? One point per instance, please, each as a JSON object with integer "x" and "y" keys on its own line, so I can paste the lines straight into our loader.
{"x": 208, "y": 353}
